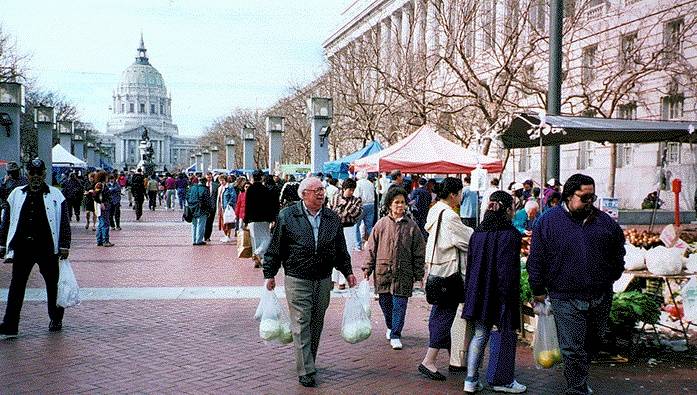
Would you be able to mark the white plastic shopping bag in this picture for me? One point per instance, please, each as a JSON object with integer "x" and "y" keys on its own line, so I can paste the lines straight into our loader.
{"x": 545, "y": 344}
{"x": 365, "y": 296}
{"x": 68, "y": 291}
{"x": 689, "y": 299}
{"x": 274, "y": 324}
{"x": 229, "y": 216}
{"x": 355, "y": 326}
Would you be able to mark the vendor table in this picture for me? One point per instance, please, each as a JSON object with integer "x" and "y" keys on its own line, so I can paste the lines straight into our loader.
{"x": 678, "y": 278}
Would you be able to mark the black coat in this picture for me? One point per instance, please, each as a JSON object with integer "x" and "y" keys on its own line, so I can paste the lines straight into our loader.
{"x": 293, "y": 246}
{"x": 260, "y": 205}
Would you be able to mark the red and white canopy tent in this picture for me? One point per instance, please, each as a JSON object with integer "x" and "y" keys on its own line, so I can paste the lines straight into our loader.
{"x": 424, "y": 151}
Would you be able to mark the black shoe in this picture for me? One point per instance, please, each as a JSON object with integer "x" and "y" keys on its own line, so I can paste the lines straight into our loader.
{"x": 457, "y": 369}
{"x": 307, "y": 380}
{"x": 6, "y": 333}
{"x": 437, "y": 376}
{"x": 55, "y": 326}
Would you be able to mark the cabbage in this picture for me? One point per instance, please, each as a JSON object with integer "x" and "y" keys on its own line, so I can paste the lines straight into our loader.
{"x": 270, "y": 329}
{"x": 356, "y": 331}
{"x": 286, "y": 335}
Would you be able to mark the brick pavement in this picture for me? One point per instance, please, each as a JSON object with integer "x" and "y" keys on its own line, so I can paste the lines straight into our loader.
{"x": 212, "y": 345}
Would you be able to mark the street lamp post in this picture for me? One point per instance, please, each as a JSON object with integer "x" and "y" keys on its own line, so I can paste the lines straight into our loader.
{"x": 230, "y": 154}
{"x": 65, "y": 134}
{"x": 44, "y": 119}
{"x": 91, "y": 160}
{"x": 79, "y": 144}
{"x": 206, "y": 160}
{"x": 556, "y": 20}
{"x": 199, "y": 162}
{"x": 214, "y": 157}
{"x": 11, "y": 107}
{"x": 274, "y": 128}
{"x": 192, "y": 160}
{"x": 320, "y": 112}
{"x": 248, "y": 148}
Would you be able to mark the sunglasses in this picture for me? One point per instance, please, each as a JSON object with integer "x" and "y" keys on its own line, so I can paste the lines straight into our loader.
{"x": 587, "y": 198}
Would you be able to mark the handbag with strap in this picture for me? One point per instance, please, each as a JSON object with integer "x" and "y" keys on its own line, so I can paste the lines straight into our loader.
{"x": 444, "y": 290}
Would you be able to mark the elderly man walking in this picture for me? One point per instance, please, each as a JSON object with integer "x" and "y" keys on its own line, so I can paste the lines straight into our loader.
{"x": 36, "y": 230}
{"x": 308, "y": 241}
{"x": 577, "y": 253}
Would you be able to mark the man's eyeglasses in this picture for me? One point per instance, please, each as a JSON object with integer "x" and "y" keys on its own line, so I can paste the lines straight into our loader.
{"x": 317, "y": 191}
{"x": 587, "y": 198}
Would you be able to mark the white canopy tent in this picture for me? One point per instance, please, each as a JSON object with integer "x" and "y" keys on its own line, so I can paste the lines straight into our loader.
{"x": 63, "y": 158}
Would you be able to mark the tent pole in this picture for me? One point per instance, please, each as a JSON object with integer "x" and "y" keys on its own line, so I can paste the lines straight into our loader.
{"x": 658, "y": 188}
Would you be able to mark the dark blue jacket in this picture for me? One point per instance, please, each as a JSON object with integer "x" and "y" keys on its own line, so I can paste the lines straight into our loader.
{"x": 492, "y": 282}
{"x": 573, "y": 260}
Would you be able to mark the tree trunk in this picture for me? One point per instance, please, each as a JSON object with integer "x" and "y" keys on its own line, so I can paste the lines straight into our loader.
{"x": 613, "y": 170}
{"x": 486, "y": 145}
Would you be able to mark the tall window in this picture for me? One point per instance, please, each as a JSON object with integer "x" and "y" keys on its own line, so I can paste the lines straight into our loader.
{"x": 152, "y": 109}
{"x": 629, "y": 55}
{"x": 672, "y": 106}
{"x": 538, "y": 15}
{"x": 673, "y": 153}
{"x": 162, "y": 109}
{"x": 673, "y": 38}
{"x": 141, "y": 108}
{"x": 589, "y": 63}
{"x": 625, "y": 152}
{"x": 131, "y": 107}
{"x": 123, "y": 108}
{"x": 627, "y": 111}
{"x": 489, "y": 23}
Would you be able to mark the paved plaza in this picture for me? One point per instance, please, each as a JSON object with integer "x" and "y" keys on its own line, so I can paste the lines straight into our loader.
{"x": 162, "y": 316}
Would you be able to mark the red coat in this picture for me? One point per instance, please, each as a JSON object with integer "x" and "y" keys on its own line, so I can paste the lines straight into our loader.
{"x": 241, "y": 205}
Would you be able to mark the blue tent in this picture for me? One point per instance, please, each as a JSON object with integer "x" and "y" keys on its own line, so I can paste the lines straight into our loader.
{"x": 340, "y": 167}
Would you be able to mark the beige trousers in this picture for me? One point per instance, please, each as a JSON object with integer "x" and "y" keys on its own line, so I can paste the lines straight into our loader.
{"x": 307, "y": 302}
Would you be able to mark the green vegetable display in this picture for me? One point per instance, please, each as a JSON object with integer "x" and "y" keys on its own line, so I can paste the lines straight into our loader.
{"x": 525, "y": 290}
{"x": 628, "y": 308}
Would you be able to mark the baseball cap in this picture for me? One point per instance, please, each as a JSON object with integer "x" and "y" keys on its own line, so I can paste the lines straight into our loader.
{"x": 36, "y": 164}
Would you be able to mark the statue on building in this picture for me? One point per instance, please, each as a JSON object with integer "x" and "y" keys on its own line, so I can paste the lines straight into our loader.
{"x": 147, "y": 153}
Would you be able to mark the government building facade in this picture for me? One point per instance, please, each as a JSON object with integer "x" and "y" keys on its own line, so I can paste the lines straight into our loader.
{"x": 141, "y": 101}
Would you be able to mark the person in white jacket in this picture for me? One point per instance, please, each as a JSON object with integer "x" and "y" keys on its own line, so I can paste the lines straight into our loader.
{"x": 444, "y": 258}
{"x": 37, "y": 231}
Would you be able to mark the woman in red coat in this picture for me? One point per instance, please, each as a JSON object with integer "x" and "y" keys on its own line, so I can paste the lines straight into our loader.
{"x": 241, "y": 205}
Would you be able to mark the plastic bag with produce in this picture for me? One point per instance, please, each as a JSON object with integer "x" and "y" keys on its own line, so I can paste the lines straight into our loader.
{"x": 545, "y": 344}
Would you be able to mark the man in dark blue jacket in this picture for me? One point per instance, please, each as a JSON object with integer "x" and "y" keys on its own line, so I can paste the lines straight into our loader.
{"x": 577, "y": 253}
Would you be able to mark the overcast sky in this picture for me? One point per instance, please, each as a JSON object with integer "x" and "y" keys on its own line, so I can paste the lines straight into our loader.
{"x": 215, "y": 55}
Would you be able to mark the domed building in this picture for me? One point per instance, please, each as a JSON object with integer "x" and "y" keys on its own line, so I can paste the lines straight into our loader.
{"x": 141, "y": 101}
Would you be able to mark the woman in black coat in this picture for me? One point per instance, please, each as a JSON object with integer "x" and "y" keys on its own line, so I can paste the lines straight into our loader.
{"x": 492, "y": 296}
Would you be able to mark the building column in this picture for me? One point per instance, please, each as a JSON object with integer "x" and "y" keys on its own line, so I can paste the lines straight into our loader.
{"x": 407, "y": 15}
{"x": 65, "y": 134}
{"x": 385, "y": 43}
{"x": 43, "y": 122}
{"x": 420, "y": 23}
{"x": 320, "y": 110}
{"x": 230, "y": 154}
{"x": 274, "y": 128}
{"x": 199, "y": 162}
{"x": 248, "y": 148}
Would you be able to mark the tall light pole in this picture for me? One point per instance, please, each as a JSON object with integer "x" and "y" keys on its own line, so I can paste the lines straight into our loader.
{"x": 230, "y": 154}
{"x": 79, "y": 144}
{"x": 248, "y": 148}
{"x": 44, "y": 119}
{"x": 206, "y": 160}
{"x": 556, "y": 21}
{"x": 214, "y": 157}
{"x": 275, "y": 128}
{"x": 65, "y": 134}
{"x": 11, "y": 108}
{"x": 320, "y": 112}
{"x": 91, "y": 159}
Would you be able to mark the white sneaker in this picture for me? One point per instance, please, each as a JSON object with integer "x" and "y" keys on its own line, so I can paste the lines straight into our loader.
{"x": 396, "y": 344}
{"x": 224, "y": 239}
{"x": 473, "y": 386}
{"x": 512, "y": 388}
{"x": 388, "y": 333}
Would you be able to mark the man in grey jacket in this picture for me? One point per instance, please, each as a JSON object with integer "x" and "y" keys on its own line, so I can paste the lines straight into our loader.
{"x": 308, "y": 241}
{"x": 37, "y": 232}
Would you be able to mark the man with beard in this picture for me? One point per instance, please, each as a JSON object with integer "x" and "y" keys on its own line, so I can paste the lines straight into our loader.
{"x": 38, "y": 232}
{"x": 577, "y": 253}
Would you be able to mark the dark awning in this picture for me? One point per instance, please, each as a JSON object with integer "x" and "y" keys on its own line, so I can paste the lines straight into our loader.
{"x": 523, "y": 131}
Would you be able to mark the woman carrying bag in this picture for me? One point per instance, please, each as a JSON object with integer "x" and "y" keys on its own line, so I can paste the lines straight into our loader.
{"x": 396, "y": 257}
{"x": 446, "y": 256}
{"x": 492, "y": 296}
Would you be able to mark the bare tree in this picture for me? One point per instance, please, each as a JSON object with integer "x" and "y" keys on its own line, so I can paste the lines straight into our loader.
{"x": 13, "y": 64}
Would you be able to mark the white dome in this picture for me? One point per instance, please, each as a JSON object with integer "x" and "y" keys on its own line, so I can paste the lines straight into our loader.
{"x": 142, "y": 75}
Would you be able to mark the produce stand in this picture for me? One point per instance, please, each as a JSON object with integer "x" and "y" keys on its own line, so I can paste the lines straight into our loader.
{"x": 678, "y": 279}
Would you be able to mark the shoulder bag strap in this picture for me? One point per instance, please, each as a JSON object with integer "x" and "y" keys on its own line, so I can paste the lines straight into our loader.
{"x": 435, "y": 241}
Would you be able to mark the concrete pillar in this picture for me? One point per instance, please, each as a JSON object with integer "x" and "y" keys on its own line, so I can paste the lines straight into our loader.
{"x": 320, "y": 110}
{"x": 214, "y": 158}
{"x": 206, "y": 160}
{"x": 192, "y": 160}
{"x": 386, "y": 43}
{"x": 274, "y": 128}
{"x": 91, "y": 158}
{"x": 230, "y": 154}
{"x": 406, "y": 32}
{"x": 78, "y": 146}
{"x": 44, "y": 120}
{"x": 199, "y": 162}
{"x": 11, "y": 107}
{"x": 248, "y": 148}
{"x": 65, "y": 134}
{"x": 433, "y": 36}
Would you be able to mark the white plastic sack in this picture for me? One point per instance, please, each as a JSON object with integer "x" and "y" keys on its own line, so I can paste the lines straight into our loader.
{"x": 355, "y": 326}
{"x": 689, "y": 299}
{"x": 545, "y": 344}
{"x": 365, "y": 296}
{"x": 68, "y": 290}
{"x": 635, "y": 258}
{"x": 691, "y": 264}
{"x": 229, "y": 216}
{"x": 664, "y": 261}
{"x": 274, "y": 324}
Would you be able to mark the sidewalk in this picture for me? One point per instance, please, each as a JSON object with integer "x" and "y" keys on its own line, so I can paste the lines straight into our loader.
{"x": 207, "y": 342}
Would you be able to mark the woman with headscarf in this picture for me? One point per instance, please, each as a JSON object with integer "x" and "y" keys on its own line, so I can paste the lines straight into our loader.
{"x": 492, "y": 296}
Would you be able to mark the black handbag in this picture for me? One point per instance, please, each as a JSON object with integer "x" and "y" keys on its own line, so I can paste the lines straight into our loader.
{"x": 444, "y": 290}
{"x": 188, "y": 215}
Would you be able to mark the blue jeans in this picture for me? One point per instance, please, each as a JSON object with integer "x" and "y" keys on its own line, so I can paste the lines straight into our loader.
{"x": 181, "y": 196}
{"x": 198, "y": 228}
{"x": 103, "y": 228}
{"x": 502, "y": 350}
{"x": 581, "y": 327}
{"x": 394, "y": 308}
{"x": 368, "y": 218}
